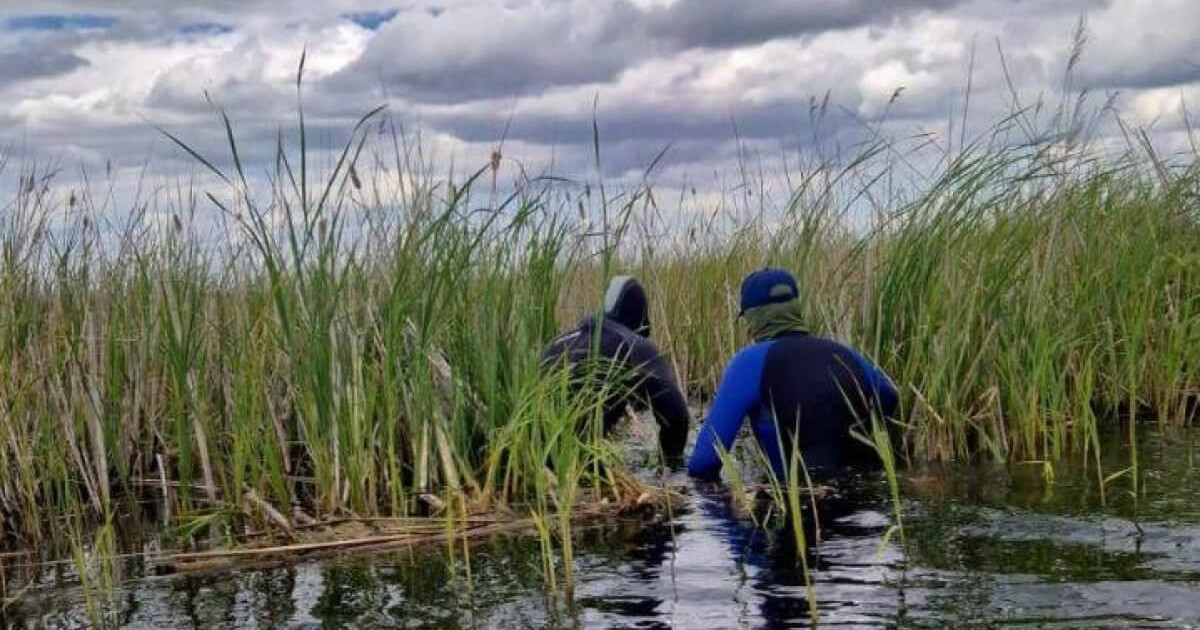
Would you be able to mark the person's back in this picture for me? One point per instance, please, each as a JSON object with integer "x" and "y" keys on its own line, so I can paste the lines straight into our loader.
{"x": 819, "y": 389}
{"x": 620, "y": 340}
{"x": 796, "y": 388}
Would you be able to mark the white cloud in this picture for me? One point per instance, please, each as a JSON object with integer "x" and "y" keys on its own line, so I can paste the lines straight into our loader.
{"x": 1147, "y": 43}
{"x": 883, "y": 84}
{"x": 468, "y": 70}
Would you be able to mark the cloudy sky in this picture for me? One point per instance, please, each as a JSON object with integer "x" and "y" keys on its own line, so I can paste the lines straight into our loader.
{"x": 82, "y": 82}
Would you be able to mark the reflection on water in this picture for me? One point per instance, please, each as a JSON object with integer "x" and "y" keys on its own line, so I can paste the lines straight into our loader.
{"x": 988, "y": 547}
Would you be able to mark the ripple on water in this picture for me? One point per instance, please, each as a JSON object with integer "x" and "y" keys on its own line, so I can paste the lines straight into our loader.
{"x": 987, "y": 547}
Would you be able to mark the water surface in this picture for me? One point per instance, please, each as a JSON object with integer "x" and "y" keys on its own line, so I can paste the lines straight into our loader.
{"x": 987, "y": 546}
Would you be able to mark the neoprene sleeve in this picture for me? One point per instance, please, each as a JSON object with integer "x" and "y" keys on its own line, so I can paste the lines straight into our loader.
{"x": 737, "y": 397}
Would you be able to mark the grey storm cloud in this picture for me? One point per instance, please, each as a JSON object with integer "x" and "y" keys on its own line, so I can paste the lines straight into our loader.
{"x": 1169, "y": 73}
{"x": 1145, "y": 61}
{"x": 661, "y": 123}
{"x": 153, "y": 9}
{"x": 21, "y": 66}
{"x": 476, "y": 51}
{"x": 696, "y": 74}
{"x": 704, "y": 23}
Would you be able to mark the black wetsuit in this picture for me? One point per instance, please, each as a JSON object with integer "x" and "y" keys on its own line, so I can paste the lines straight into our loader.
{"x": 650, "y": 382}
{"x": 623, "y": 338}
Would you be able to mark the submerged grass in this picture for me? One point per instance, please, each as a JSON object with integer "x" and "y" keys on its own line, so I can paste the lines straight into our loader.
{"x": 262, "y": 355}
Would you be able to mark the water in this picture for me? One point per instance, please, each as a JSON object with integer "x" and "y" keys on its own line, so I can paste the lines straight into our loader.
{"x": 987, "y": 547}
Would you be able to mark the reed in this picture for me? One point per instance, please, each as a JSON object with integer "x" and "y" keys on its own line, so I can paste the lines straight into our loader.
{"x": 363, "y": 341}
{"x": 332, "y": 348}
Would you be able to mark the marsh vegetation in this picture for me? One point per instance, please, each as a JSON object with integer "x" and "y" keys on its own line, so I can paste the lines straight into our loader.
{"x": 241, "y": 357}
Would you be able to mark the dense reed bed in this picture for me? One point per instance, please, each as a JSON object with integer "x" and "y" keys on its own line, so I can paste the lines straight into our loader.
{"x": 363, "y": 341}
{"x": 334, "y": 349}
{"x": 1024, "y": 298}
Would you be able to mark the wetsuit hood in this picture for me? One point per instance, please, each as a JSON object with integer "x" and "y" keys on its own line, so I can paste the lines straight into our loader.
{"x": 625, "y": 303}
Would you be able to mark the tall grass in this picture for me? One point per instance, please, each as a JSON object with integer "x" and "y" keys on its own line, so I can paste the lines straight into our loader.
{"x": 1017, "y": 304}
{"x": 348, "y": 347}
{"x": 364, "y": 340}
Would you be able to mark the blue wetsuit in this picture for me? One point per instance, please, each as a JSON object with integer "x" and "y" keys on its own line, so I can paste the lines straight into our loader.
{"x": 815, "y": 387}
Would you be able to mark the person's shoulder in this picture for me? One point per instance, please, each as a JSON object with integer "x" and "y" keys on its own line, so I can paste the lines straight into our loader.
{"x": 567, "y": 337}
{"x": 638, "y": 346}
{"x": 752, "y": 354}
{"x": 617, "y": 341}
{"x": 757, "y": 347}
{"x": 814, "y": 348}
{"x": 817, "y": 343}
{"x": 570, "y": 338}
{"x": 854, "y": 354}
{"x": 847, "y": 348}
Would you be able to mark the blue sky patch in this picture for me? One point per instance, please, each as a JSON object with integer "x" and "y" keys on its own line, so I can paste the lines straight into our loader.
{"x": 63, "y": 22}
{"x": 372, "y": 20}
{"x": 205, "y": 28}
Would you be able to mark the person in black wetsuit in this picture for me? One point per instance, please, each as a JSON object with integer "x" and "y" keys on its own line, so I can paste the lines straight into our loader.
{"x": 622, "y": 335}
{"x": 796, "y": 388}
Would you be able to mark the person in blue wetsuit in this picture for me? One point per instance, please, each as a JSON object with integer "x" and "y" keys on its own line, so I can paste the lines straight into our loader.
{"x": 796, "y": 388}
{"x": 622, "y": 335}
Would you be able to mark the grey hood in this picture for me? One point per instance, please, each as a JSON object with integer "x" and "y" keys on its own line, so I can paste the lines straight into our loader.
{"x": 625, "y": 302}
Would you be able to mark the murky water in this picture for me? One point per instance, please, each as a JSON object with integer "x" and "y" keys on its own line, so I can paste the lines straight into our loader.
{"x": 986, "y": 546}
